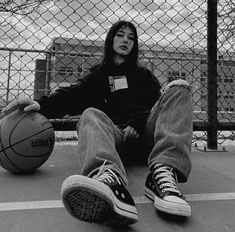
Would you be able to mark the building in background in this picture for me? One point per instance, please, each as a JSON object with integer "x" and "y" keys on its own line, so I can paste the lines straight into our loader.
{"x": 70, "y": 58}
{"x": 225, "y": 90}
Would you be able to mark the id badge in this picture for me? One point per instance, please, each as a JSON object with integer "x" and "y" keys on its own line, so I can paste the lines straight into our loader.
{"x": 118, "y": 82}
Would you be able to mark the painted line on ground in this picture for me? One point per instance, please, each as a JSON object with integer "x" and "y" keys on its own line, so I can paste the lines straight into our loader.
{"x": 26, "y": 205}
{"x": 195, "y": 197}
{"x": 52, "y": 204}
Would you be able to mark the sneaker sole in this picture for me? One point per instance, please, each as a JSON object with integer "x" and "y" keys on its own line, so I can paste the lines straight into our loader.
{"x": 167, "y": 206}
{"x": 90, "y": 200}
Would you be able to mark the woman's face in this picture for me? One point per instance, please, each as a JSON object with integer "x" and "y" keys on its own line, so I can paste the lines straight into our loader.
{"x": 123, "y": 41}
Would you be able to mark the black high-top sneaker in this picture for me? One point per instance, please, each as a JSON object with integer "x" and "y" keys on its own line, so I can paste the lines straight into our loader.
{"x": 161, "y": 187}
{"x": 102, "y": 198}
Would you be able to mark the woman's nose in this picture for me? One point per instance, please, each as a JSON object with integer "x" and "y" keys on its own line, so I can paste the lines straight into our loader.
{"x": 125, "y": 39}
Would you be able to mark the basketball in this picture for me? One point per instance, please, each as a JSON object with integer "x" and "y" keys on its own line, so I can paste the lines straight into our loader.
{"x": 26, "y": 141}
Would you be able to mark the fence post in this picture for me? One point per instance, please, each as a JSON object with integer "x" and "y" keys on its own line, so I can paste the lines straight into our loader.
{"x": 212, "y": 74}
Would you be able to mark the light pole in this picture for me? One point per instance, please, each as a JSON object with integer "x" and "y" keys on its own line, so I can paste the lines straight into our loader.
{"x": 20, "y": 75}
{"x": 8, "y": 77}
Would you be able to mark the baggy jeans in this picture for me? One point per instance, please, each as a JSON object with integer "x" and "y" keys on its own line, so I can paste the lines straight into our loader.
{"x": 167, "y": 135}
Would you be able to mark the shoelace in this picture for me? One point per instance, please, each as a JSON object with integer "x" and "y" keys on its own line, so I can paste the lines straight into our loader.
{"x": 165, "y": 178}
{"x": 106, "y": 175}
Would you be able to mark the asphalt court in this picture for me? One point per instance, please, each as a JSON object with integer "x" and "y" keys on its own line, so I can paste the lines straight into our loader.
{"x": 32, "y": 202}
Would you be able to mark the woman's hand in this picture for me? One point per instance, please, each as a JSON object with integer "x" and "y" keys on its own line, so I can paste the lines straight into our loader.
{"x": 130, "y": 132}
{"x": 26, "y": 104}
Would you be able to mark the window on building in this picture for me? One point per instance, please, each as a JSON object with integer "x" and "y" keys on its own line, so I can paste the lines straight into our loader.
{"x": 219, "y": 79}
{"x": 183, "y": 74}
{"x": 79, "y": 69}
{"x": 62, "y": 71}
{"x": 203, "y": 61}
{"x": 66, "y": 71}
{"x": 174, "y": 75}
{"x": 203, "y": 79}
{"x": 229, "y": 94}
{"x": 229, "y": 109}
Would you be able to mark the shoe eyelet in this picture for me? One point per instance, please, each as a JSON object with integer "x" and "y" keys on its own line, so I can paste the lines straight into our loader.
{"x": 123, "y": 196}
{"x": 116, "y": 192}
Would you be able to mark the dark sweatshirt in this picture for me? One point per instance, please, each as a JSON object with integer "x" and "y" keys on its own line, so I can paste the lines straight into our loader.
{"x": 125, "y": 95}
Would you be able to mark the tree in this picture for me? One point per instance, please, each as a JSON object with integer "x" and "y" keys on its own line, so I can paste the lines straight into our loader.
{"x": 226, "y": 22}
{"x": 9, "y": 8}
{"x": 20, "y": 7}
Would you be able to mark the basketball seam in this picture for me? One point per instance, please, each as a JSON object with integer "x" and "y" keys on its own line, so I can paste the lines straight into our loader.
{"x": 11, "y": 145}
{"x": 12, "y": 129}
{"x": 19, "y": 169}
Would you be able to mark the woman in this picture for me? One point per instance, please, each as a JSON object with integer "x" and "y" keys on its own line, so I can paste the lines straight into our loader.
{"x": 119, "y": 101}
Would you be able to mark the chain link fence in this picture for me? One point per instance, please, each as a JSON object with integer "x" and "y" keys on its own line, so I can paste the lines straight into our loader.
{"x": 46, "y": 44}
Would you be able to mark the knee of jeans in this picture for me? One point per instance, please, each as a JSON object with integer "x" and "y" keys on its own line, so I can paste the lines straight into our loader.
{"x": 178, "y": 82}
{"x": 90, "y": 110}
{"x": 92, "y": 113}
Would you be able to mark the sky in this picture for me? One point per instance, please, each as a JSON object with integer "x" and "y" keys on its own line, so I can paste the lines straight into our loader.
{"x": 158, "y": 21}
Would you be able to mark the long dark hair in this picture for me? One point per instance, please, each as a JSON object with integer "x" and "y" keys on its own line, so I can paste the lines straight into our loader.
{"x": 132, "y": 58}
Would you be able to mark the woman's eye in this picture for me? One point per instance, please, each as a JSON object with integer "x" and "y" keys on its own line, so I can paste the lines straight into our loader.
{"x": 119, "y": 34}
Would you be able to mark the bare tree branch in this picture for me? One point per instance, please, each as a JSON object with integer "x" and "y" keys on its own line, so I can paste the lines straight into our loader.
{"x": 226, "y": 21}
{"x": 20, "y": 7}
{"x": 16, "y": 7}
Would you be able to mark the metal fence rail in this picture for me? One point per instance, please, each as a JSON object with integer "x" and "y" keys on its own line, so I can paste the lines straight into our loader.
{"x": 46, "y": 44}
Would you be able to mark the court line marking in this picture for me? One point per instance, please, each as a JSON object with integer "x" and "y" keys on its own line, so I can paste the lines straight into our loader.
{"x": 52, "y": 204}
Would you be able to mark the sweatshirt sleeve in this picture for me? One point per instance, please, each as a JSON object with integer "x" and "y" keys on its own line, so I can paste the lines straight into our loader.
{"x": 71, "y": 100}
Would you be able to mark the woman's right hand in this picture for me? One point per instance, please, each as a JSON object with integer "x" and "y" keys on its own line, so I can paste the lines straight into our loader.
{"x": 26, "y": 104}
